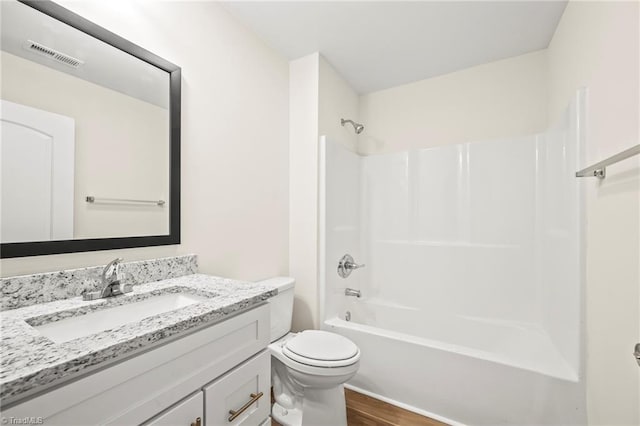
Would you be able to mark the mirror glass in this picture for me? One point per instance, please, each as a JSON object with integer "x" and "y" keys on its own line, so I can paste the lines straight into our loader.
{"x": 85, "y": 143}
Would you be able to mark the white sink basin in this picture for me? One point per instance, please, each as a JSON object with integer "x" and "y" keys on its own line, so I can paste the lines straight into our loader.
{"x": 109, "y": 318}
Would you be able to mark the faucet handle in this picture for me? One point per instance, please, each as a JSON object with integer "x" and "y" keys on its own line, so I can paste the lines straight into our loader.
{"x": 352, "y": 265}
{"x": 347, "y": 265}
{"x": 111, "y": 268}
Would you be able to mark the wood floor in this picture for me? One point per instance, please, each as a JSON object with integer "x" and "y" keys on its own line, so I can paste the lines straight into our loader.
{"x": 362, "y": 410}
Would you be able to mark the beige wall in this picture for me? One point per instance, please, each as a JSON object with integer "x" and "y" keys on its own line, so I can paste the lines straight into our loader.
{"x": 337, "y": 100}
{"x": 234, "y": 138}
{"x": 500, "y": 99}
{"x": 596, "y": 45}
{"x": 318, "y": 98}
{"x": 303, "y": 184}
{"x": 121, "y": 147}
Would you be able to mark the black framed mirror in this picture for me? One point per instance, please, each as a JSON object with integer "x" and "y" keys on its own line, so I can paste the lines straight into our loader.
{"x": 90, "y": 136}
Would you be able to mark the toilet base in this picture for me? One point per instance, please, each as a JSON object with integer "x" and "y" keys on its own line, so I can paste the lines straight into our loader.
{"x": 320, "y": 407}
{"x": 286, "y": 417}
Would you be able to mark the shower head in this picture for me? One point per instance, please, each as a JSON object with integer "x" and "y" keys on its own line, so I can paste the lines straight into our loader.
{"x": 357, "y": 126}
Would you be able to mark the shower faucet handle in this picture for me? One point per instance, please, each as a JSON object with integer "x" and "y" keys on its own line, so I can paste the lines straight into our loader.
{"x": 351, "y": 265}
{"x": 346, "y": 265}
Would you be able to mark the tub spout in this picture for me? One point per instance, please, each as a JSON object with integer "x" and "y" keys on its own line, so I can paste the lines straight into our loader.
{"x": 352, "y": 292}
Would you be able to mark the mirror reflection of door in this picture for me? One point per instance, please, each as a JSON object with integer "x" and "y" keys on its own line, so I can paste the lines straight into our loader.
{"x": 120, "y": 109}
{"x": 37, "y": 174}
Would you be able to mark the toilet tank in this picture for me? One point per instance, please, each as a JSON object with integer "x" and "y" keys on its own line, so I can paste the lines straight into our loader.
{"x": 280, "y": 306}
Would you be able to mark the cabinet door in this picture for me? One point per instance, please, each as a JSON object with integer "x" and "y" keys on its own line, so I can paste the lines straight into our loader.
{"x": 240, "y": 397}
{"x": 184, "y": 413}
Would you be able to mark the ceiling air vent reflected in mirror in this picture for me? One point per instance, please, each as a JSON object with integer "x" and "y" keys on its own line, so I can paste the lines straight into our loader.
{"x": 53, "y": 54}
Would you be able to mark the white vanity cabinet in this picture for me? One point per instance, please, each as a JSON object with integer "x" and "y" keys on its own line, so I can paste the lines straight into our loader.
{"x": 203, "y": 375}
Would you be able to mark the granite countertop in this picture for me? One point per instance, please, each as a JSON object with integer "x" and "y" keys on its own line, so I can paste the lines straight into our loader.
{"x": 30, "y": 361}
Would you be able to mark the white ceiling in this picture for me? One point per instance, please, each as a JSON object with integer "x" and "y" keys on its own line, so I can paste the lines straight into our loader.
{"x": 376, "y": 45}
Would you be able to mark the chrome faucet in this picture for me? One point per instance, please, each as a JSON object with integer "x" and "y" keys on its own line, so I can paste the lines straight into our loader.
{"x": 111, "y": 285}
{"x": 110, "y": 278}
{"x": 352, "y": 292}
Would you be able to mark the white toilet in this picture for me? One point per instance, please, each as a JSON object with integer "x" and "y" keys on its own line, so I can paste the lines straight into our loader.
{"x": 308, "y": 369}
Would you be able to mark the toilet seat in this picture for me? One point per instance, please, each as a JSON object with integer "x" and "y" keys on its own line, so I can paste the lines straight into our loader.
{"x": 322, "y": 349}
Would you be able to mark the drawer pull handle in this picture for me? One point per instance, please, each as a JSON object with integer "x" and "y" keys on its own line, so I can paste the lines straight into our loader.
{"x": 254, "y": 398}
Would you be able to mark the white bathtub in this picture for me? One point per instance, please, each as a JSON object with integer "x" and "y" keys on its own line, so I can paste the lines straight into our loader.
{"x": 460, "y": 370}
{"x": 472, "y": 295}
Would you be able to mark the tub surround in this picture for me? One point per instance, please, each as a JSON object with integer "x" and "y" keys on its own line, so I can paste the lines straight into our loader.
{"x": 32, "y": 362}
{"x": 25, "y": 290}
{"x": 484, "y": 241}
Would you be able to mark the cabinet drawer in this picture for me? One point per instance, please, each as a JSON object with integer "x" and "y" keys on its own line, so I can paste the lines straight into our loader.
{"x": 183, "y": 413}
{"x": 239, "y": 391}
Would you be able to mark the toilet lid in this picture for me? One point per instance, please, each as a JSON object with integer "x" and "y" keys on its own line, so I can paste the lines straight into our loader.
{"x": 321, "y": 348}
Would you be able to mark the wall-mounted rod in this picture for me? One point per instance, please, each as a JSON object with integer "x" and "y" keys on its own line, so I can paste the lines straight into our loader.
{"x": 92, "y": 199}
{"x": 599, "y": 170}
